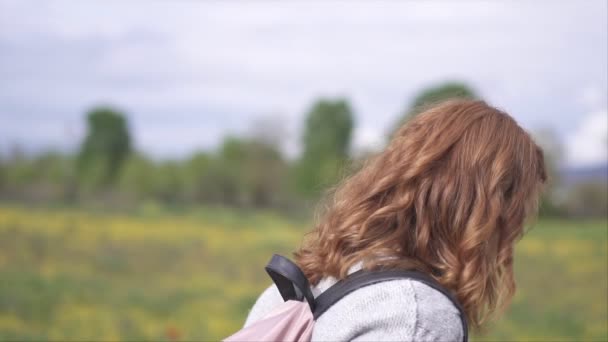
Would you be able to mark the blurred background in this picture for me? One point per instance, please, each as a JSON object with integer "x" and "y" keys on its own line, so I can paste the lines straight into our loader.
{"x": 154, "y": 154}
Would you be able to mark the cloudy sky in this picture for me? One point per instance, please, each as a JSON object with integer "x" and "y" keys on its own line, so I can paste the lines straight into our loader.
{"x": 190, "y": 72}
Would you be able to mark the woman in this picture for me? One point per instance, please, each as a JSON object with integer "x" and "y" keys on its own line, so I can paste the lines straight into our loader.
{"x": 448, "y": 197}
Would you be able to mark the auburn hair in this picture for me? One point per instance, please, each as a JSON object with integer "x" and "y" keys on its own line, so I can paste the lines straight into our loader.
{"x": 449, "y": 196}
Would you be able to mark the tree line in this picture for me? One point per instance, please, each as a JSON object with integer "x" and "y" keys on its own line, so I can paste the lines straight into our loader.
{"x": 244, "y": 171}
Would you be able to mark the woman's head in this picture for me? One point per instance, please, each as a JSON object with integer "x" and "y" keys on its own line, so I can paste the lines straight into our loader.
{"x": 448, "y": 196}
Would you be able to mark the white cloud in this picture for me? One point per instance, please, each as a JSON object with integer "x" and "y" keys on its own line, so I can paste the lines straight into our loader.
{"x": 368, "y": 139}
{"x": 593, "y": 96}
{"x": 214, "y": 66}
{"x": 588, "y": 143}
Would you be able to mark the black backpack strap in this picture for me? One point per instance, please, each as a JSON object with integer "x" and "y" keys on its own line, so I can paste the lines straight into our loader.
{"x": 288, "y": 277}
{"x": 364, "y": 278}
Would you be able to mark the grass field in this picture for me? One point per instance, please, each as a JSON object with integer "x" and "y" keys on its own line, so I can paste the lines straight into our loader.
{"x": 68, "y": 274}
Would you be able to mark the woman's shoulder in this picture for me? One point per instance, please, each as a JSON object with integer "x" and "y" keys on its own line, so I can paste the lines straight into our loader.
{"x": 438, "y": 317}
{"x": 404, "y": 309}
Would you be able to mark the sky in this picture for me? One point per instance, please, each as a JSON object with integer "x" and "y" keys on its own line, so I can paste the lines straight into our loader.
{"x": 188, "y": 73}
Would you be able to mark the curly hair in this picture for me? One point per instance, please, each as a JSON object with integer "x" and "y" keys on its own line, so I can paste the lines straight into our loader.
{"x": 449, "y": 196}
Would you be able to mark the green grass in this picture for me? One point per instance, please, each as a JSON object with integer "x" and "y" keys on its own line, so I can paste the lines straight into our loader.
{"x": 562, "y": 277}
{"x": 72, "y": 274}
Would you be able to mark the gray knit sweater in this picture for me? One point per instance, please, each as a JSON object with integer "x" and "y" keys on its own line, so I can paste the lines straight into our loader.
{"x": 395, "y": 310}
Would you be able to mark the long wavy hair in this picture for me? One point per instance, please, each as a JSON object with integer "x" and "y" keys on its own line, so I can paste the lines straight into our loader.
{"x": 449, "y": 196}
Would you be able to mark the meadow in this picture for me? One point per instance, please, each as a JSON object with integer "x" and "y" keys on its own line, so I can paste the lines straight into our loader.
{"x": 153, "y": 274}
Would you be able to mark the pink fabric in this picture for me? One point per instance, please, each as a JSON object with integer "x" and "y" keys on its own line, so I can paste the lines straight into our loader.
{"x": 291, "y": 321}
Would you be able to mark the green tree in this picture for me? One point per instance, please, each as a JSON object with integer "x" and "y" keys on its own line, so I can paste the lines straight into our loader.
{"x": 105, "y": 148}
{"x": 587, "y": 199}
{"x": 168, "y": 185}
{"x": 138, "y": 177}
{"x": 326, "y": 143}
{"x": 45, "y": 176}
{"x": 550, "y": 204}
{"x": 265, "y": 174}
{"x": 250, "y": 172}
{"x": 200, "y": 182}
{"x": 435, "y": 94}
